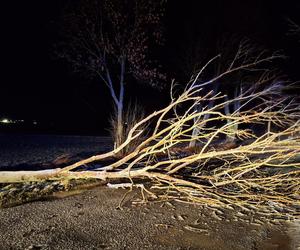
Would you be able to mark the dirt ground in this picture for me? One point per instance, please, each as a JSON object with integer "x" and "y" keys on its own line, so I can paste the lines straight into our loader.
{"x": 91, "y": 220}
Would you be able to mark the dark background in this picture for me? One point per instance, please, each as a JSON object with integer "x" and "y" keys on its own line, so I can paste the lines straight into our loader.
{"x": 36, "y": 86}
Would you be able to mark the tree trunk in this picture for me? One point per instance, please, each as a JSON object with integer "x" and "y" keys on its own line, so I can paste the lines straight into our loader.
{"x": 120, "y": 127}
{"x": 196, "y": 130}
{"x": 199, "y": 108}
{"x": 120, "y": 121}
{"x": 119, "y": 104}
{"x": 237, "y": 105}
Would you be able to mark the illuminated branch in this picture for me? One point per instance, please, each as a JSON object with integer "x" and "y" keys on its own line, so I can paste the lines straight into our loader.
{"x": 259, "y": 168}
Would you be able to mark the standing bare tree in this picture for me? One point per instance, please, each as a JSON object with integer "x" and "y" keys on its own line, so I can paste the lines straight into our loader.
{"x": 111, "y": 40}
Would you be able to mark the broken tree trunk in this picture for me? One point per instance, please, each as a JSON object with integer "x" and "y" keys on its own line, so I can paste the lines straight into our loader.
{"x": 240, "y": 175}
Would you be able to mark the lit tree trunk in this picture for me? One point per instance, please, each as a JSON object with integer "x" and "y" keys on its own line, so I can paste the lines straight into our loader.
{"x": 118, "y": 103}
{"x": 199, "y": 109}
{"x": 196, "y": 130}
{"x": 231, "y": 136}
{"x": 120, "y": 125}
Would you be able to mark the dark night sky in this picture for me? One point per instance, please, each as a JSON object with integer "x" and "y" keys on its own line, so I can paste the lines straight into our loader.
{"x": 34, "y": 86}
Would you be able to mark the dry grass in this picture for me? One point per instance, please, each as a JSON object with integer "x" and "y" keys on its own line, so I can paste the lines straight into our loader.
{"x": 133, "y": 113}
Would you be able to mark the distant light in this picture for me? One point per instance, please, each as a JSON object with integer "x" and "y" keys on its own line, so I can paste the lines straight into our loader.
{"x": 10, "y": 121}
{"x": 5, "y": 120}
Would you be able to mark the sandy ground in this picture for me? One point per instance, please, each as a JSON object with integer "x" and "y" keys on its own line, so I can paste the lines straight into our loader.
{"x": 91, "y": 220}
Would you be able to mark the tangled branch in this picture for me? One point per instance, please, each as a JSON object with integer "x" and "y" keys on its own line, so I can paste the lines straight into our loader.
{"x": 259, "y": 167}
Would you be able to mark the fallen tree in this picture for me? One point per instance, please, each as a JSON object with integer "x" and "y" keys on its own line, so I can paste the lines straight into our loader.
{"x": 260, "y": 167}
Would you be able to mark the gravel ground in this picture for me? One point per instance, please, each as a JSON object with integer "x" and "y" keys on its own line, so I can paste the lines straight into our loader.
{"x": 19, "y": 149}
